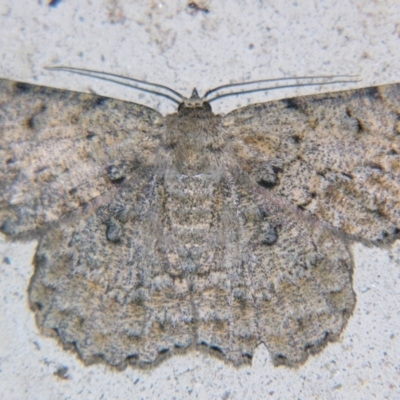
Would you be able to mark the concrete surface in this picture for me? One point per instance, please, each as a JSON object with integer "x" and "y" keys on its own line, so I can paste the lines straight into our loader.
{"x": 169, "y": 43}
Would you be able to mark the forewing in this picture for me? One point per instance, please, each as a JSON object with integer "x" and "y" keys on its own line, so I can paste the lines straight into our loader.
{"x": 60, "y": 151}
{"x": 335, "y": 156}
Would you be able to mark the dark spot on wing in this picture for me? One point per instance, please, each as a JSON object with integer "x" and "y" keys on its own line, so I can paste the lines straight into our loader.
{"x": 90, "y": 136}
{"x": 270, "y": 236}
{"x": 22, "y": 87}
{"x": 280, "y": 359}
{"x": 100, "y": 101}
{"x": 38, "y": 306}
{"x": 248, "y": 356}
{"x": 373, "y": 92}
{"x": 291, "y": 103}
{"x": 296, "y": 138}
{"x": 113, "y": 231}
{"x": 30, "y": 123}
{"x": 33, "y": 122}
{"x": 267, "y": 184}
{"x": 216, "y": 349}
{"x": 347, "y": 175}
{"x": 375, "y": 166}
{"x": 10, "y": 161}
{"x": 116, "y": 173}
{"x": 360, "y": 126}
{"x": 7, "y": 227}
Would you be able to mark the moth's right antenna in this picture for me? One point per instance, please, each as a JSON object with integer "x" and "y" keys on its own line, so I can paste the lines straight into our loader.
{"x": 232, "y": 85}
{"x": 121, "y": 80}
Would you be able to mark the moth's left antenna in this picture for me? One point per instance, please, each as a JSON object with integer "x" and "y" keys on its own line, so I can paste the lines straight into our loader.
{"x": 121, "y": 80}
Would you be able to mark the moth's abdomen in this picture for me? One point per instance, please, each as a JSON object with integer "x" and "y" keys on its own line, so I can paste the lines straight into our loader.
{"x": 189, "y": 238}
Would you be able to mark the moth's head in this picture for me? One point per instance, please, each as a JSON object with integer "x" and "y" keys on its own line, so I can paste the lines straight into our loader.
{"x": 195, "y": 102}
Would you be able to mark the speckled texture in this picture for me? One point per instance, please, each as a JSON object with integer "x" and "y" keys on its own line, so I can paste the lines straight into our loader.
{"x": 166, "y": 42}
{"x": 159, "y": 234}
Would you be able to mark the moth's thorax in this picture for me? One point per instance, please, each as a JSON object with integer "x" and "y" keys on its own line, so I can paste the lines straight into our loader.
{"x": 194, "y": 139}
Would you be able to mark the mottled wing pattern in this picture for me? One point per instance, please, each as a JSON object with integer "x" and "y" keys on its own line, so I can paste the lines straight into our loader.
{"x": 335, "y": 156}
{"x": 284, "y": 279}
{"x": 61, "y": 151}
{"x": 251, "y": 270}
{"x": 195, "y": 230}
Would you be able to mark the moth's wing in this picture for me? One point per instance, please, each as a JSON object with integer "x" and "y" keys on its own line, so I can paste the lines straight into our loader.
{"x": 102, "y": 284}
{"x": 335, "y": 155}
{"x": 91, "y": 163}
{"x": 60, "y": 151}
{"x": 284, "y": 279}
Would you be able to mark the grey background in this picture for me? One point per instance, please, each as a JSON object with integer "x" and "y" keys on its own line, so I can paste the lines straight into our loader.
{"x": 167, "y": 42}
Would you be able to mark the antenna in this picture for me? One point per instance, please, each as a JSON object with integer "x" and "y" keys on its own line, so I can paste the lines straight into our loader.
{"x": 177, "y": 98}
{"x": 106, "y": 76}
{"x": 232, "y": 85}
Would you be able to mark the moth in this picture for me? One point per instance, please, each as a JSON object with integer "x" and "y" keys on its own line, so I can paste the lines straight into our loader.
{"x": 160, "y": 234}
